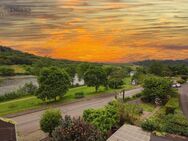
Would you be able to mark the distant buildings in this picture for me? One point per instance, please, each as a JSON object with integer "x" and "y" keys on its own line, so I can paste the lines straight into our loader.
{"x": 7, "y": 130}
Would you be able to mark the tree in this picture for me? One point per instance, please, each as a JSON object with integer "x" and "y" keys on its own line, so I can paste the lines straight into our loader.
{"x": 115, "y": 76}
{"x": 156, "y": 68}
{"x": 95, "y": 77}
{"x": 82, "y": 68}
{"x": 157, "y": 88}
{"x": 50, "y": 120}
{"x": 115, "y": 83}
{"x": 76, "y": 129}
{"x": 53, "y": 82}
{"x": 71, "y": 71}
{"x": 6, "y": 71}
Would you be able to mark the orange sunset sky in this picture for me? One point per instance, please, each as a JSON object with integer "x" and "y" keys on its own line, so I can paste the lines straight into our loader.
{"x": 97, "y": 30}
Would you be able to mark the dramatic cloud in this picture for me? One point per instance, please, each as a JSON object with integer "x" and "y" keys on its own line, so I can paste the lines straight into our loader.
{"x": 97, "y": 30}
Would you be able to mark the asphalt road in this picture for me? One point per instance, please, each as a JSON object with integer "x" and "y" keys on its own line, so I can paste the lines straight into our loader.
{"x": 28, "y": 124}
{"x": 184, "y": 99}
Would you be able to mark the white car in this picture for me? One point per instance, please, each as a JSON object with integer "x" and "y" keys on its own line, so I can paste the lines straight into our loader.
{"x": 177, "y": 85}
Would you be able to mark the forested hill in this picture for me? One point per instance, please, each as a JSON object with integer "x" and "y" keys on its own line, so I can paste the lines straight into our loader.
{"x": 166, "y": 62}
{"x": 10, "y": 56}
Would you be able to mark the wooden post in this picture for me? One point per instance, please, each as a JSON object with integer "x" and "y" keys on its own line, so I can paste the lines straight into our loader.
{"x": 123, "y": 95}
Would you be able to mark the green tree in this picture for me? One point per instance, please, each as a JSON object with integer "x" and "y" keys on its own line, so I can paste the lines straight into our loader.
{"x": 157, "y": 88}
{"x": 95, "y": 77}
{"x": 115, "y": 83}
{"x": 156, "y": 68}
{"x": 82, "y": 68}
{"x": 50, "y": 120}
{"x": 70, "y": 69}
{"x": 53, "y": 82}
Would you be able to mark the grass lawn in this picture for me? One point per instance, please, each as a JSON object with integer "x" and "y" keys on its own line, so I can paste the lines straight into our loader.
{"x": 148, "y": 107}
{"x": 31, "y": 102}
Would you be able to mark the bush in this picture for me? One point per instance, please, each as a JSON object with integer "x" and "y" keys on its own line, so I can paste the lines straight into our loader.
{"x": 170, "y": 110}
{"x": 103, "y": 119}
{"x": 171, "y": 106}
{"x": 175, "y": 124}
{"x": 79, "y": 95}
{"x": 133, "y": 112}
{"x": 27, "y": 89}
{"x": 149, "y": 125}
{"x": 181, "y": 81}
{"x": 72, "y": 129}
{"x": 50, "y": 120}
{"x": 6, "y": 71}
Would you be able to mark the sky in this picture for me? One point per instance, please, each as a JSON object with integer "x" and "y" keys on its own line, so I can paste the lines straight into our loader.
{"x": 97, "y": 30}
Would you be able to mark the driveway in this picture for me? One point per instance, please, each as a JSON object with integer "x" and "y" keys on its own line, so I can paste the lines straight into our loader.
{"x": 184, "y": 99}
{"x": 28, "y": 125}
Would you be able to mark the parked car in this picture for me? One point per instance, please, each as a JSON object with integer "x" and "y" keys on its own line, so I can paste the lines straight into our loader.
{"x": 176, "y": 85}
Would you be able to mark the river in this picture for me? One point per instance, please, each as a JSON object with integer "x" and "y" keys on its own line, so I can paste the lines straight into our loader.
{"x": 13, "y": 83}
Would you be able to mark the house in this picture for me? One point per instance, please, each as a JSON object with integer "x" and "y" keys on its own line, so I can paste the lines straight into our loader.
{"x": 7, "y": 130}
{"x": 132, "y": 73}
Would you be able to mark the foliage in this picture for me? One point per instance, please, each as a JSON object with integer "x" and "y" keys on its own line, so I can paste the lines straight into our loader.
{"x": 82, "y": 69}
{"x": 79, "y": 95}
{"x": 132, "y": 113}
{"x": 6, "y": 71}
{"x": 103, "y": 119}
{"x": 115, "y": 83}
{"x": 26, "y": 90}
{"x": 149, "y": 125}
{"x": 76, "y": 129}
{"x": 95, "y": 77}
{"x": 181, "y": 81}
{"x": 70, "y": 69}
{"x": 50, "y": 120}
{"x": 53, "y": 82}
{"x": 157, "y": 88}
{"x": 171, "y": 106}
{"x": 164, "y": 121}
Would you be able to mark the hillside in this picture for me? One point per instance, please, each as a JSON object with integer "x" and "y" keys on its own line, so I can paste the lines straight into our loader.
{"x": 10, "y": 56}
{"x": 167, "y": 62}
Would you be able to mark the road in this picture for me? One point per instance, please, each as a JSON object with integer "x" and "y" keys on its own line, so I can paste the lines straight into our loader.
{"x": 28, "y": 124}
{"x": 184, "y": 99}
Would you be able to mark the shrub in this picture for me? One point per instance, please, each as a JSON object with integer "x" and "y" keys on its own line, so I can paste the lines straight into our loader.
{"x": 27, "y": 89}
{"x": 50, "y": 120}
{"x": 72, "y": 129}
{"x": 133, "y": 112}
{"x": 175, "y": 124}
{"x": 181, "y": 81}
{"x": 103, "y": 119}
{"x": 149, "y": 125}
{"x": 6, "y": 71}
{"x": 79, "y": 95}
{"x": 170, "y": 110}
{"x": 171, "y": 106}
